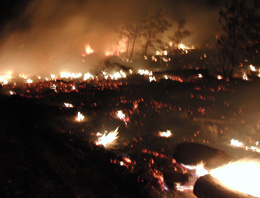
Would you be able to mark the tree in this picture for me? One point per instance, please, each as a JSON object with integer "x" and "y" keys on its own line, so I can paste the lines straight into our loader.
{"x": 154, "y": 26}
{"x": 131, "y": 31}
{"x": 238, "y": 33}
{"x": 181, "y": 33}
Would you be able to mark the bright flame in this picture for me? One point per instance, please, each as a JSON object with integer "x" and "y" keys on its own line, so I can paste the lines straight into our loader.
{"x": 145, "y": 72}
{"x": 245, "y": 76}
{"x": 80, "y": 117}
{"x": 200, "y": 76}
{"x": 199, "y": 169}
{"x": 236, "y": 143}
{"x": 108, "y": 139}
{"x": 70, "y": 75}
{"x": 166, "y": 133}
{"x": 219, "y": 77}
{"x": 68, "y": 105}
{"x": 29, "y": 81}
{"x": 182, "y": 188}
{"x": 88, "y": 49}
{"x": 5, "y": 78}
{"x": 185, "y": 47}
{"x": 242, "y": 175}
{"x": 239, "y": 144}
{"x": 88, "y": 76}
{"x": 120, "y": 115}
{"x": 252, "y": 68}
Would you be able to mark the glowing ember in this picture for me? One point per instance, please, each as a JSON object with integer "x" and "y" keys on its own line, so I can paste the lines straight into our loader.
{"x": 108, "y": 139}
{"x": 242, "y": 175}
{"x": 200, "y": 76}
{"x": 68, "y": 105}
{"x": 166, "y": 133}
{"x": 88, "y": 49}
{"x": 80, "y": 117}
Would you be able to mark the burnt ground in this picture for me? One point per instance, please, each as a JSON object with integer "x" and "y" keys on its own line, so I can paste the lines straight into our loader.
{"x": 45, "y": 153}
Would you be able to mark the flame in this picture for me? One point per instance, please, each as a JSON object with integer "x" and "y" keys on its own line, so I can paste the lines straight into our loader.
{"x": 88, "y": 49}
{"x": 252, "y": 68}
{"x": 108, "y": 139}
{"x": 80, "y": 117}
{"x": 120, "y": 115}
{"x": 182, "y": 188}
{"x": 145, "y": 72}
{"x": 70, "y": 75}
{"x": 185, "y": 47}
{"x": 166, "y": 133}
{"x": 29, "y": 81}
{"x": 199, "y": 169}
{"x": 88, "y": 76}
{"x": 242, "y": 175}
{"x": 118, "y": 49}
{"x": 245, "y": 77}
{"x": 236, "y": 143}
{"x": 6, "y": 78}
{"x": 239, "y": 144}
{"x": 219, "y": 77}
{"x": 68, "y": 105}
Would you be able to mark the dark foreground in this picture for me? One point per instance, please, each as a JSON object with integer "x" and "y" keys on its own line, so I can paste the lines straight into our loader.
{"x": 45, "y": 153}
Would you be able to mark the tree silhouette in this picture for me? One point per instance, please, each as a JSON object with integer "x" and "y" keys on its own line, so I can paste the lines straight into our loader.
{"x": 181, "y": 33}
{"x": 155, "y": 24}
{"x": 238, "y": 33}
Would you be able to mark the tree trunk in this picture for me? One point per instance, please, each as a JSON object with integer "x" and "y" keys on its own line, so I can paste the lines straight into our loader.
{"x": 133, "y": 46}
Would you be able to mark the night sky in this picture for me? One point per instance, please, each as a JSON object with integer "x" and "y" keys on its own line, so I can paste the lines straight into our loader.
{"x": 51, "y": 33}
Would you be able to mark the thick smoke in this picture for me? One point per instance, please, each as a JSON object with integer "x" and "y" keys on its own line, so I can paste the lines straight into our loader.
{"x": 50, "y": 35}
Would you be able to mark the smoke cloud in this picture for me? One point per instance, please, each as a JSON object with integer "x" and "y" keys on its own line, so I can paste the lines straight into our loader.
{"x": 50, "y": 35}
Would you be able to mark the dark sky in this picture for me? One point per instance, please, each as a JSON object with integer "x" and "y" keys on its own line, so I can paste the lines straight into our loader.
{"x": 50, "y": 33}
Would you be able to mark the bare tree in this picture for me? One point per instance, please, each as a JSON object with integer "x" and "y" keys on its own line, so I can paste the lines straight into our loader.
{"x": 181, "y": 33}
{"x": 155, "y": 24}
{"x": 238, "y": 32}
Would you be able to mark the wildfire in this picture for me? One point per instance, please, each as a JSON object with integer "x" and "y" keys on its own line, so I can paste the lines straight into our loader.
{"x": 199, "y": 169}
{"x": 5, "y": 78}
{"x": 80, "y": 117}
{"x": 239, "y": 144}
{"x": 88, "y": 76}
{"x": 242, "y": 175}
{"x": 70, "y": 75}
{"x": 182, "y": 188}
{"x": 88, "y": 49}
{"x": 108, "y": 139}
{"x": 252, "y": 68}
{"x": 68, "y": 105}
{"x": 118, "y": 49}
{"x": 166, "y": 133}
{"x": 120, "y": 115}
{"x": 29, "y": 81}
{"x": 245, "y": 77}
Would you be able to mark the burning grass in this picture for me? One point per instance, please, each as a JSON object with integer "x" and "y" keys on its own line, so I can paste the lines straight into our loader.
{"x": 57, "y": 126}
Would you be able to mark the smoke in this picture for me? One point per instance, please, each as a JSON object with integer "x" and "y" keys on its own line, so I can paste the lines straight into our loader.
{"x": 50, "y": 35}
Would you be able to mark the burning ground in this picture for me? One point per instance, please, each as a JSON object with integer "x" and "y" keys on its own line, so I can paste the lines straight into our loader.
{"x": 118, "y": 138}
